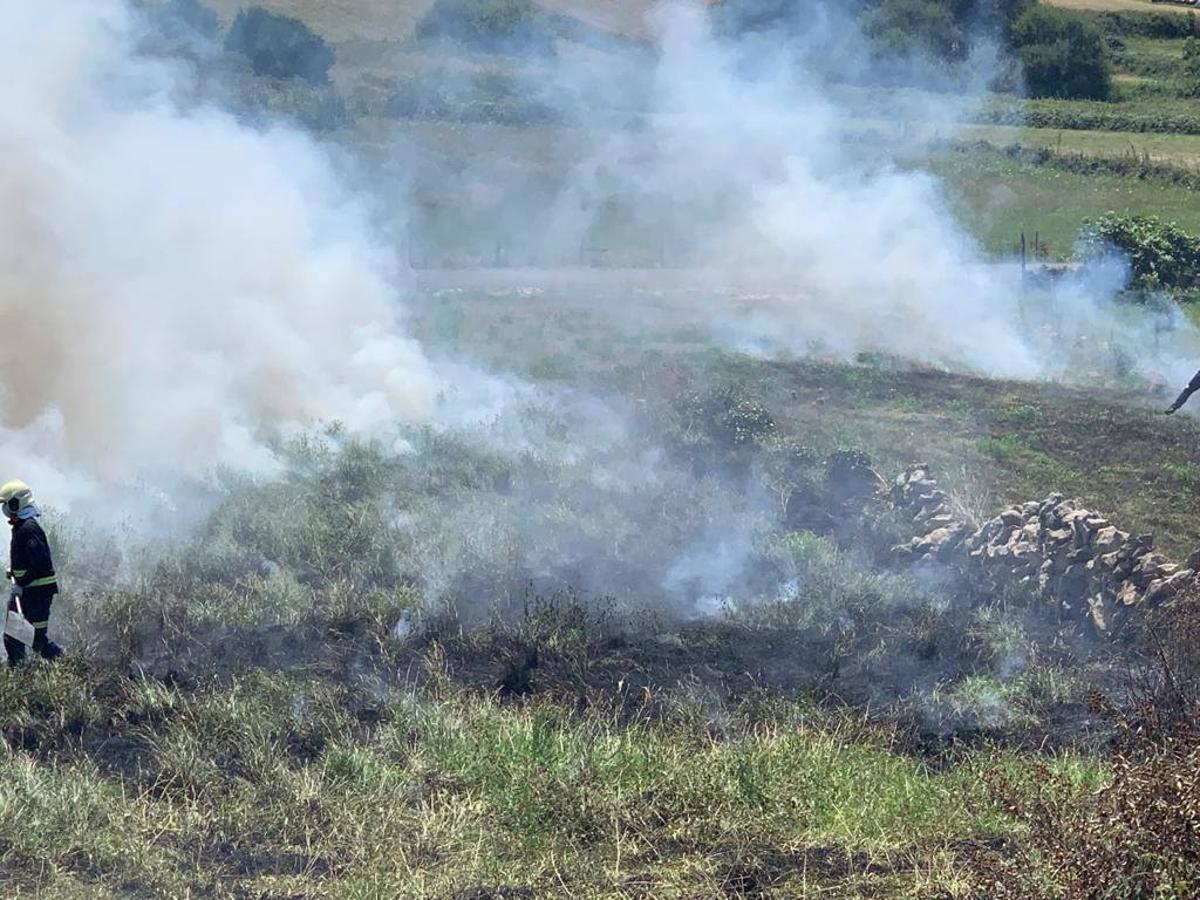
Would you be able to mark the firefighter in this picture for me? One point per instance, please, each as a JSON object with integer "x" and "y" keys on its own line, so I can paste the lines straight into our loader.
{"x": 1193, "y": 386}
{"x": 31, "y": 570}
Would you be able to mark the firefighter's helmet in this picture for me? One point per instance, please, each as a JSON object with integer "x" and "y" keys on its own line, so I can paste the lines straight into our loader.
{"x": 15, "y": 497}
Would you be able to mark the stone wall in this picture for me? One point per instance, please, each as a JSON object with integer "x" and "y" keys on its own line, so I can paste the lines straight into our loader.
{"x": 1052, "y": 551}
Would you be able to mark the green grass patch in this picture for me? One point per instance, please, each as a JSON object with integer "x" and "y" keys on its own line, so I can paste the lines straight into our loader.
{"x": 273, "y": 780}
{"x": 1186, "y": 474}
{"x": 1017, "y": 452}
{"x": 998, "y": 197}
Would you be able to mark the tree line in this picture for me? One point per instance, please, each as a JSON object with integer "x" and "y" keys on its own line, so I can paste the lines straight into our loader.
{"x": 1055, "y": 52}
{"x": 1060, "y": 53}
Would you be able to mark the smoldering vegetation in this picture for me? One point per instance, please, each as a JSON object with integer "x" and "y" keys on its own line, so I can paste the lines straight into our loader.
{"x": 388, "y": 585}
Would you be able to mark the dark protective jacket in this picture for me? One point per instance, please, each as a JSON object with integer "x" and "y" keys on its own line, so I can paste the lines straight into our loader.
{"x": 29, "y": 557}
{"x": 1193, "y": 386}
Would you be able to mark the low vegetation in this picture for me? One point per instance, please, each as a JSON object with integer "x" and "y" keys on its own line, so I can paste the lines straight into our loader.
{"x": 452, "y": 672}
{"x": 488, "y": 26}
{"x": 279, "y": 46}
{"x": 1160, "y": 254}
{"x": 1062, "y": 54}
{"x": 632, "y": 638}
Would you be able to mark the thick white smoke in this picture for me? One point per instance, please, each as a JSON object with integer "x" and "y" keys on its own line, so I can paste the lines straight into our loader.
{"x": 849, "y": 253}
{"x": 175, "y": 287}
{"x": 816, "y": 240}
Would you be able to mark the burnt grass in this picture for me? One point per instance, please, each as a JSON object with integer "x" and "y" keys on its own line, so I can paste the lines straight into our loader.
{"x": 257, "y": 746}
{"x": 1112, "y": 448}
{"x": 638, "y": 675}
{"x": 1105, "y": 440}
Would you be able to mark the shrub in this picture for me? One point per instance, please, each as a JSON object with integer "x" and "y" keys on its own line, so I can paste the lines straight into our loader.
{"x": 1136, "y": 836}
{"x": 942, "y": 29}
{"x": 907, "y": 28}
{"x": 738, "y": 17}
{"x": 279, "y": 46}
{"x": 485, "y": 97}
{"x": 721, "y": 430}
{"x": 1063, "y": 55}
{"x": 726, "y": 419}
{"x": 1161, "y": 254}
{"x": 1107, "y": 120}
{"x": 1132, "y": 838}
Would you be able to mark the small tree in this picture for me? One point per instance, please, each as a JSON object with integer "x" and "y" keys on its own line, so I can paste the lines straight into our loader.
{"x": 280, "y": 46}
{"x": 1063, "y": 55}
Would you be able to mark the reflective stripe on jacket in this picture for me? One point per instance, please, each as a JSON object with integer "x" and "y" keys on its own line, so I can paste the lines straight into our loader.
{"x": 29, "y": 556}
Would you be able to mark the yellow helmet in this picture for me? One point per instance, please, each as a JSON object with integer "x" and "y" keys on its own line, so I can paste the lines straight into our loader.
{"x": 15, "y": 497}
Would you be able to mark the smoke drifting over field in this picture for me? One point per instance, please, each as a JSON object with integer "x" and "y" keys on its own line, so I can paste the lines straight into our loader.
{"x": 177, "y": 288}
{"x": 761, "y": 160}
{"x": 851, "y": 253}
{"x": 183, "y": 289}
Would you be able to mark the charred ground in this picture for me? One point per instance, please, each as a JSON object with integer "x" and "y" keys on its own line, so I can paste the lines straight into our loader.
{"x": 295, "y": 705}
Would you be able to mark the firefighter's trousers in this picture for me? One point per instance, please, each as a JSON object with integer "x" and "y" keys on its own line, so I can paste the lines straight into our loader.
{"x": 35, "y": 604}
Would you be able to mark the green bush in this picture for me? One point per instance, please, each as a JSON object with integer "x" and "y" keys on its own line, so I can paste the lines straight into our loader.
{"x": 941, "y": 29}
{"x": 1161, "y": 254}
{"x": 279, "y": 46}
{"x": 1063, "y": 55}
{"x": 912, "y": 28}
{"x": 717, "y": 427}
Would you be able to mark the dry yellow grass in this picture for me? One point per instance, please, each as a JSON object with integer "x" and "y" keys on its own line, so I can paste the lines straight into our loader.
{"x": 1120, "y": 5}
{"x": 393, "y": 20}
{"x": 1181, "y": 150}
{"x": 626, "y": 17}
{"x": 341, "y": 20}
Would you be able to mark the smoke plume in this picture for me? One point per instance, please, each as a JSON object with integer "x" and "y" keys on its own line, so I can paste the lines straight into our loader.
{"x": 763, "y": 162}
{"x": 175, "y": 288}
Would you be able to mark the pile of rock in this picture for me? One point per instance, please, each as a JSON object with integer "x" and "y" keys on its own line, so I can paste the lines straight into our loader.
{"x": 939, "y": 530}
{"x": 1053, "y": 551}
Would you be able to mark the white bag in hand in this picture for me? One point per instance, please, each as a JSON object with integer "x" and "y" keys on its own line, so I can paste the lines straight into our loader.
{"x": 17, "y": 627}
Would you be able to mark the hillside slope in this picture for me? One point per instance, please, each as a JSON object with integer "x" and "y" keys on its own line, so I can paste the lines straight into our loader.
{"x": 1118, "y": 5}
{"x": 393, "y": 20}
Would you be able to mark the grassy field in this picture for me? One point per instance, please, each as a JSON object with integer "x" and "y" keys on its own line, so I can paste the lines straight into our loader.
{"x": 1180, "y": 150}
{"x": 1176, "y": 149}
{"x": 342, "y": 20}
{"x": 273, "y": 785}
{"x": 269, "y": 712}
{"x": 997, "y": 198}
{"x": 394, "y": 20}
{"x": 1118, "y": 5}
{"x": 576, "y": 641}
{"x": 1085, "y": 443}
{"x": 995, "y": 194}
{"x": 339, "y": 20}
